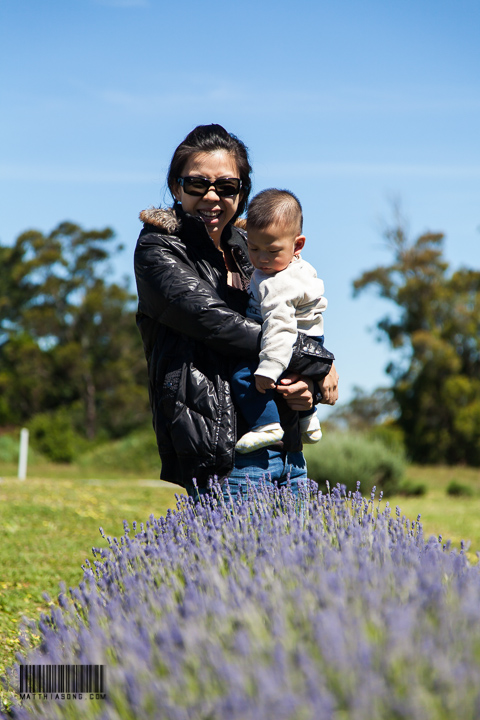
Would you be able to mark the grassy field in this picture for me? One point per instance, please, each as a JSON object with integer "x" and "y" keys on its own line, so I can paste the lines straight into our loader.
{"x": 51, "y": 521}
{"x": 49, "y": 527}
{"x": 453, "y": 517}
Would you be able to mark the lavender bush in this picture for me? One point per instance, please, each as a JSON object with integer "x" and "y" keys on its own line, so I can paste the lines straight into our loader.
{"x": 327, "y": 608}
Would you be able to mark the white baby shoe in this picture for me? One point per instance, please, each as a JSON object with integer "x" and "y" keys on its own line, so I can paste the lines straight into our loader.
{"x": 310, "y": 429}
{"x": 259, "y": 438}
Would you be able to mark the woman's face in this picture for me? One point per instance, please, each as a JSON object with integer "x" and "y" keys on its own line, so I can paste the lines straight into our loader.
{"x": 214, "y": 210}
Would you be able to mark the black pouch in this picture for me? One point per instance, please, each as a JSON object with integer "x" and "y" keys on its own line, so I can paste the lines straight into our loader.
{"x": 170, "y": 387}
{"x": 310, "y": 358}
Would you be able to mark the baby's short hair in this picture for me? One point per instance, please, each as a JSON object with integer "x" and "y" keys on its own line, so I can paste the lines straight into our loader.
{"x": 275, "y": 207}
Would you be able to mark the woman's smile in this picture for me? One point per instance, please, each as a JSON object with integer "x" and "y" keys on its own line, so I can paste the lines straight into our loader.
{"x": 209, "y": 214}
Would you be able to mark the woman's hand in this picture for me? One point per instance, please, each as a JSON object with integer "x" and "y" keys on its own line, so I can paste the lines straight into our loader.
{"x": 329, "y": 387}
{"x": 297, "y": 391}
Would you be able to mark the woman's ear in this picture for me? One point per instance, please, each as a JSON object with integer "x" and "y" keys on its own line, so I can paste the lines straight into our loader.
{"x": 176, "y": 192}
{"x": 298, "y": 244}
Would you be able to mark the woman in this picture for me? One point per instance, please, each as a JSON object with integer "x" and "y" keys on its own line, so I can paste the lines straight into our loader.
{"x": 192, "y": 269}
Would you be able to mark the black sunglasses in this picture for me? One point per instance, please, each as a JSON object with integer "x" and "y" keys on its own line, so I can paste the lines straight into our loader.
{"x": 224, "y": 187}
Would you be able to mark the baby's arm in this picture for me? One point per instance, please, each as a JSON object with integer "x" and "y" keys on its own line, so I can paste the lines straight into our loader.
{"x": 276, "y": 296}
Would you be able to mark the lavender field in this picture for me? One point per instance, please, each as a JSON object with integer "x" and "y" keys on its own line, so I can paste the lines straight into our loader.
{"x": 333, "y": 607}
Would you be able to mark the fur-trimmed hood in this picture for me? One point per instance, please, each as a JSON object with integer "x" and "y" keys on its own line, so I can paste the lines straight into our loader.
{"x": 165, "y": 219}
{"x": 168, "y": 222}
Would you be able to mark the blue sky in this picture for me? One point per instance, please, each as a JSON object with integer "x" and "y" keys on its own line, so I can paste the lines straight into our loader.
{"x": 349, "y": 105}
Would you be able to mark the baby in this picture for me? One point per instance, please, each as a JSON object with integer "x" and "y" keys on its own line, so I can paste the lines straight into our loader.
{"x": 286, "y": 297}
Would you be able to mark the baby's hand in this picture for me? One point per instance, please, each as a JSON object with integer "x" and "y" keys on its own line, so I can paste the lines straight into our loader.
{"x": 264, "y": 383}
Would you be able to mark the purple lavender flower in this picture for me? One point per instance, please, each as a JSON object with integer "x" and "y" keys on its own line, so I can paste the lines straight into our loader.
{"x": 271, "y": 607}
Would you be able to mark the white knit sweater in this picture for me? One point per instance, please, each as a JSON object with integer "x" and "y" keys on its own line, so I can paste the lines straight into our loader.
{"x": 289, "y": 301}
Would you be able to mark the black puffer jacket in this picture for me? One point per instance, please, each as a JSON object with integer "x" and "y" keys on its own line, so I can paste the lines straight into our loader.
{"x": 194, "y": 332}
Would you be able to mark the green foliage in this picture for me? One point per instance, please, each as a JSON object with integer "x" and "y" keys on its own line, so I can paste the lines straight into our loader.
{"x": 348, "y": 458}
{"x": 412, "y": 488}
{"x": 436, "y": 335}
{"x": 459, "y": 489}
{"x": 390, "y": 435}
{"x": 10, "y": 448}
{"x": 373, "y": 414}
{"x": 135, "y": 453}
{"x": 68, "y": 338}
{"x": 365, "y": 410}
{"x": 53, "y": 435}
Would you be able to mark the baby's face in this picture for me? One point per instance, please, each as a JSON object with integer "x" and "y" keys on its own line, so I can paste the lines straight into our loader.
{"x": 273, "y": 249}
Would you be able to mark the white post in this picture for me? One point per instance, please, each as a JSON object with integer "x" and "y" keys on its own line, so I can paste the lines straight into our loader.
{"x": 23, "y": 455}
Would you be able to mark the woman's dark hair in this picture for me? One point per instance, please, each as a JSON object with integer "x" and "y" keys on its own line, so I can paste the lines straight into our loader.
{"x": 209, "y": 138}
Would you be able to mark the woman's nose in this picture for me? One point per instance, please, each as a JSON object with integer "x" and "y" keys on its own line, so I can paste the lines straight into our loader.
{"x": 212, "y": 194}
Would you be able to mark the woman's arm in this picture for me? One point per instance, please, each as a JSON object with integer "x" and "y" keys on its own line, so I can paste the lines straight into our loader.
{"x": 172, "y": 293}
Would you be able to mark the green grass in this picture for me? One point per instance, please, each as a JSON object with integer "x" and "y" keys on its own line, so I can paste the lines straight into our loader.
{"x": 454, "y": 517}
{"x": 49, "y": 526}
{"x": 50, "y": 522}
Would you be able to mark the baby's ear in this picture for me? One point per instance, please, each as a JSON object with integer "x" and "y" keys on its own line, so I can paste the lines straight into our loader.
{"x": 299, "y": 244}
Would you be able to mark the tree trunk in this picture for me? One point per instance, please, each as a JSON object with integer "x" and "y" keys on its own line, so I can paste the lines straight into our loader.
{"x": 90, "y": 409}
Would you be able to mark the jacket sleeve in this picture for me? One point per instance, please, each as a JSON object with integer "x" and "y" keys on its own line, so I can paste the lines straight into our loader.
{"x": 279, "y": 330}
{"x": 173, "y": 294}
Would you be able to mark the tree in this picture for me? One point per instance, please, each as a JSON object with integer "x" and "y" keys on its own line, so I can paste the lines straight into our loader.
{"x": 436, "y": 335}
{"x": 67, "y": 335}
{"x": 365, "y": 410}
